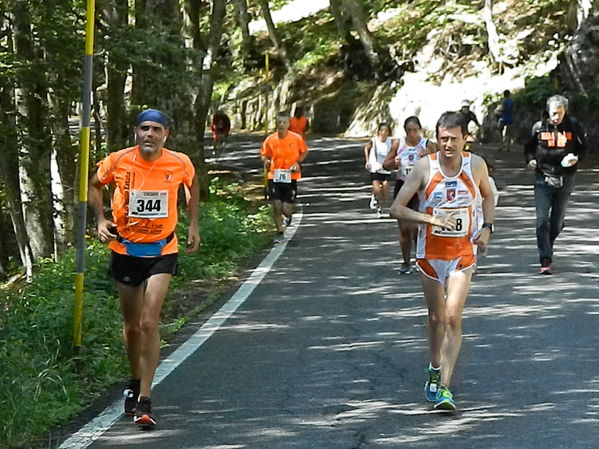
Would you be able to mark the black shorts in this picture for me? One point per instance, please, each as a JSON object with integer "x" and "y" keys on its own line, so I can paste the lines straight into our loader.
{"x": 282, "y": 191}
{"x": 134, "y": 271}
{"x": 413, "y": 203}
{"x": 382, "y": 177}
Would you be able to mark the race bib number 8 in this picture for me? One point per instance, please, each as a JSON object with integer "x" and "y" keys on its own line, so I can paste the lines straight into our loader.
{"x": 282, "y": 176}
{"x": 148, "y": 204}
{"x": 461, "y": 217}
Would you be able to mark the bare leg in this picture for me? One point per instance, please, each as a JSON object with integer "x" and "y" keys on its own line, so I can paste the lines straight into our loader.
{"x": 131, "y": 299}
{"x": 287, "y": 209}
{"x": 458, "y": 286}
{"x": 377, "y": 189}
{"x": 406, "y": 235}
{"x": 277, "y": 210}
{"x": 383, "y": 197}
{"x": 142, "y": 315}
{"x": 434, "y": 295}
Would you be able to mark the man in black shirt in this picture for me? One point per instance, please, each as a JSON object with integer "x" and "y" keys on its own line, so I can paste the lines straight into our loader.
{"x": 468, "y": 114}
{"x": 554, "y": 151}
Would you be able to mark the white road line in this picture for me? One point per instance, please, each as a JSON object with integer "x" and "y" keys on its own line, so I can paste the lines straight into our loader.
{"x": 101, "y": 423}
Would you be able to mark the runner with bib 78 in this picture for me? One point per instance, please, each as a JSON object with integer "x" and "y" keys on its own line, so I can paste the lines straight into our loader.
{"x": 449, "y": 184}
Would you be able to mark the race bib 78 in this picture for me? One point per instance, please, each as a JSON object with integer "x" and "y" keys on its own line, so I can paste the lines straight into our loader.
{"x": 460, "y": 215}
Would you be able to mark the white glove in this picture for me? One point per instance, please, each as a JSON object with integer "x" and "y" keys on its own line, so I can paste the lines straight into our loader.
{"x": 569, "y": 160}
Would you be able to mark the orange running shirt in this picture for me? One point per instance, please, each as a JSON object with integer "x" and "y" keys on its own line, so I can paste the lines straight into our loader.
{"x": 144, "y": 202}
{"x": 283, "y": 152}
{"x": 298, "y": 125}
{"x": 457, "y": 196}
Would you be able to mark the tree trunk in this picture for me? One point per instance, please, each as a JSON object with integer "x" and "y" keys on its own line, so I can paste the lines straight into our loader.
{"x": 191, "y": 11}
{"x": 243, "y": 21}
{"x": 115, "y": 15}
{"x": 579, "y": 11}
{"x": 360, "y": 25}
{"x": 62, "y": 173}
{"x": 9, "y": 169}
{"x": 492, "y": 36}
{"x": 138, "y": 85}
{"x": 274, "y": 35}
{"x": 32, "y": 142}
{"x": 342, "y": 21}
{"x": 202, "y": 104}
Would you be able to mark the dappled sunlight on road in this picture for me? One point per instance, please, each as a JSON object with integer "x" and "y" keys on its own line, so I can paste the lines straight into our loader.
{"x": 330, "y": 350}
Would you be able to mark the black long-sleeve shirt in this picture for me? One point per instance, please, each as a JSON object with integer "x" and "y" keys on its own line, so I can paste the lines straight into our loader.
{"x": 549, "y": 144}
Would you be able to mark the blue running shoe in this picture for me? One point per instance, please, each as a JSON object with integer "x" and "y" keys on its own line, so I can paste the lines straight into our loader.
{"x": 444, "y": 400}
{"x": 432, "y": 384}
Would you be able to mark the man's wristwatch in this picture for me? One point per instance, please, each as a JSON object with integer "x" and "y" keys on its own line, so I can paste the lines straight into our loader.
{"x": 489, "y": 226}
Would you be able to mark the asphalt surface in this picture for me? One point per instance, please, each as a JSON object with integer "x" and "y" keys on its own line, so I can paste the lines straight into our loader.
{"x": 329, "y": 350}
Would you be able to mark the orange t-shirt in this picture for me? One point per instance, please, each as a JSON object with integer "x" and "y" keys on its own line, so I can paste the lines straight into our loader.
{"x": 283, "y": 152}
{"x": 144, "y": 202}
{"x": 298, "y": 125}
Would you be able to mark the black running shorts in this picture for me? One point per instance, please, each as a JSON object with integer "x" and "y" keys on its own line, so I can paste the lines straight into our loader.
{"x": 381, "y": 177}
{"x": 133, "y": 271}
{"x": 283, "y": 191}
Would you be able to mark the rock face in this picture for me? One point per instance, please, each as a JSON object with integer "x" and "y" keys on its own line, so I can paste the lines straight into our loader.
{"x": 579, "y": 64}
{"x": 337, "y": 103}
{"x": 577, "y": 73}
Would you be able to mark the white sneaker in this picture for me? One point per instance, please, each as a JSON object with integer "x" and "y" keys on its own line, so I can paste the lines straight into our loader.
{"x": 373, "y": 202}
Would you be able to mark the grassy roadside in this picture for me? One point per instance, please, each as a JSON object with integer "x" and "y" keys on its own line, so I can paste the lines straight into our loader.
{"x": 42, "y": 383}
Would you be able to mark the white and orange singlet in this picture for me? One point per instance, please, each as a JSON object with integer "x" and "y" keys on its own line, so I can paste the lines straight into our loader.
{"x": 454, "y": 196}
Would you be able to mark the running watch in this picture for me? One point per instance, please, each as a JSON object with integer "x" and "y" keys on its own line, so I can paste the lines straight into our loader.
{"x": 489, "y": 226}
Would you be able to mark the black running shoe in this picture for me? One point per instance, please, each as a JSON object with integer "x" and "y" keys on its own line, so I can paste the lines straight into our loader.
{"x": 131, "y": 393}
{"x": 406, "y": 268}
{"x": 288, "y": 220}
{"x": 143, "y": 413}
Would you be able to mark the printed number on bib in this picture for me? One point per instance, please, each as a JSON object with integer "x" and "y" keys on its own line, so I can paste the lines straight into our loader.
{"x": 282, "y": 176}
{"x": 148, "y": 204}
{"x": 461, "y": 217}
{"x": 405, "y": 170}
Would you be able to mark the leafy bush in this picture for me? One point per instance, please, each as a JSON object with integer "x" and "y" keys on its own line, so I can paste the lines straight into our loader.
{"x": 36, "y": 325}
{"x": 536, "y": 91}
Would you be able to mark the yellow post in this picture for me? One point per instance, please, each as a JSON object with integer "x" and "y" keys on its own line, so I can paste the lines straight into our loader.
{"x": 83, "y": 175}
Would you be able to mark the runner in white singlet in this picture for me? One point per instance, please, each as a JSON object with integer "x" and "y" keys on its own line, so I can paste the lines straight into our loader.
{"x": 375, "y": 152}
{"x": 403, "y": 158}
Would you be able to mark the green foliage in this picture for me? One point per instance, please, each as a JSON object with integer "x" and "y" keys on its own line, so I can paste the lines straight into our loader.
{"x": 36, "y": 323}
{"x": 318, "y": 44}
{"x": 536, "y": 91}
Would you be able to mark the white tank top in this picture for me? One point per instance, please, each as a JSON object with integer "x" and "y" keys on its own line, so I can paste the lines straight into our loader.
{"x": 409, "y": 155}
{"x": 377, "y": 155}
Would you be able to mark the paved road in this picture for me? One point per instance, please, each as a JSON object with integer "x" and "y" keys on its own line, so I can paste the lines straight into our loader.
{"x": 329, "y": 350}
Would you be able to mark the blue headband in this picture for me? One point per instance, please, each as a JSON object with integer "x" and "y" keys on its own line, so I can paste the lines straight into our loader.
{"x": 152, "y": 115}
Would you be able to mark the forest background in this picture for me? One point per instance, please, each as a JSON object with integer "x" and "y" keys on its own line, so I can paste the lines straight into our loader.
{"x": 350, "y": 63}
